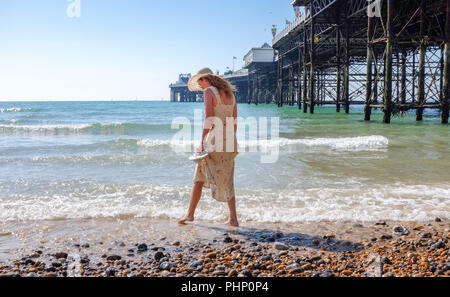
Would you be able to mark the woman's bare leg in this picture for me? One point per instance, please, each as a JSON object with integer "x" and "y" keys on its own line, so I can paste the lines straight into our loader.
{"x": 233, "y": 221}
{"x": 196, "y": 194}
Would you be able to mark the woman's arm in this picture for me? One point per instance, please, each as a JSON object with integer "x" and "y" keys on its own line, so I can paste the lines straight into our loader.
{"x": 235, "y": 117}
{"x": 209, "y": 112}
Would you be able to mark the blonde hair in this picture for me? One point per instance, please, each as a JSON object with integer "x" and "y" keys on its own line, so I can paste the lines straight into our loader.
{"x": 220, "y": 84}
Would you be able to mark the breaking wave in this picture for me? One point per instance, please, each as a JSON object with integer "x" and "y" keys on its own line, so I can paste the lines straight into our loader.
{"x": 89, "y": 199}
{"x": 17, "y": 109}
{"x": 351, "y": 143}
{"x": 94, "y": 129}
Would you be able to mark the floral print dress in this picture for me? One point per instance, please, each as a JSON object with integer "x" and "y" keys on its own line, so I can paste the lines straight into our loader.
{"x": 217, "y": 170}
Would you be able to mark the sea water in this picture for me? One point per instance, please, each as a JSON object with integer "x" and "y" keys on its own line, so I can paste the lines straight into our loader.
{"x": 83, "y": 160}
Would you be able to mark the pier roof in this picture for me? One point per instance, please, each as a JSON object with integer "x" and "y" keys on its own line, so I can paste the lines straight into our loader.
{"x": 263, "y": 54}
{"x": 239, "y": 73}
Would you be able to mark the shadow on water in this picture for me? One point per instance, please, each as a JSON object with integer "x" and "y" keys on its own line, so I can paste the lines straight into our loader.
{"x": 293, "y": 239}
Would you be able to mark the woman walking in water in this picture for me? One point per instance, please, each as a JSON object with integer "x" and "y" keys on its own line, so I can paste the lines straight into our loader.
{"x": 216, "y": 171}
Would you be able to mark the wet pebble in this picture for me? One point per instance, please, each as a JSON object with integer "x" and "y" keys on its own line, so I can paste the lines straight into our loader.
{"x": 142, "y": 247}
{"x": 110, "y": 272}
{"x": 84, "y": 260}
{"x": 61, "y": 255}
{"x": 29, "y": 262}
{"x": 385, "y": 260}
{"x": 227, "y": 239}
{"x": 294, "y": 267}
{"x": 193, "y": 264}
{"x": 425, "y": 235}
{"x": 400, "y": 230}
{"x": 158, "y": 256}
{"x": 50, "y": 269}
{"x": 9, "y": 275}
{"x": 113, "y": 258}
{"x": 325, "y": 273}
{"x": 280, "y": 246}
{"x": 246, "y": 273}
{"x": 438, "y": 245}
{"x": 166, "y": 265}
{"x": 211, "y": 255}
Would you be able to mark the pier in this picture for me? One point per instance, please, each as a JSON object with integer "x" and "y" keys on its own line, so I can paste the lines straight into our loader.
{"x": 239, "y": 79}
{"x": 388, "y": 54}
{"x": 262, "y": 74}
{"x": 392, "y": 55}
{"x": 179, "y": 91}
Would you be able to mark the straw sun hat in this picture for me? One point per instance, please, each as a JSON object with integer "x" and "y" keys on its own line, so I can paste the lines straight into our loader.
{"x": 192, "y": 83}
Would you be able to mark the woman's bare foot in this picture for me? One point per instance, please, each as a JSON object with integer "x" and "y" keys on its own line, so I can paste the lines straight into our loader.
{"x": 232, "y": 223}
{"x": 186, "y": 219}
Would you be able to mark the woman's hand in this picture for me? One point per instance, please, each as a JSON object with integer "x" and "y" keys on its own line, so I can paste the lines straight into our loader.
{"x": 200, "y": 149}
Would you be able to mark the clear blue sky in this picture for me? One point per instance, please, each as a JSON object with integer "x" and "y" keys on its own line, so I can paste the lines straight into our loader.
{"x": 123, "y": 49}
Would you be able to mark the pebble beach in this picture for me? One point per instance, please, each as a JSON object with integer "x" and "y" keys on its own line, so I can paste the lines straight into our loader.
{"x": 135, "y": 248}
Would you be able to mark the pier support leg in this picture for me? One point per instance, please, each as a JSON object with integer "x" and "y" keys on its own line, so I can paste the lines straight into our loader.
{"x": 291, "y": 85}
{"x": 413, "y": 95}
{"x": 368, "y": 109}
{"x": 305, "y": 74}
{"x": 446, "y": 72}
{"x": 294, "y": 86}
{"x": 422, "y": 53}
{"x": 312, "y": 61}
{"x": 441, "y": 73}
{"x": 347, "y": 68}
{"x": 403, "y": 83}
{"x": 397, "y": 79}
{"x": 278, "y": 89}
{"x": 280, "y": 83}
{"x": 249, "y": 89}
{"x": 299, "y": 78}
{"x": 375, "y": 85}
{"x": 318, "y": 88}
{"x": 388, "y": 65}
{"x": 338, "y": 69}
{"x": 305, "y": 90}
{"x": 256, "y": 88}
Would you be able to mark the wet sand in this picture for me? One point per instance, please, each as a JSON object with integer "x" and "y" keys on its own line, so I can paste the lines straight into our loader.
{"x": 130, "y": 247}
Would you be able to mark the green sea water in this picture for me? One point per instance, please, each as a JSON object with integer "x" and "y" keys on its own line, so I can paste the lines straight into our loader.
{"x": 65, "y": 160}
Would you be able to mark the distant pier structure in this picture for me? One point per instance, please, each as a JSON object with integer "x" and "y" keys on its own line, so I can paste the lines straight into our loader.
{"x": 262, "y": 74}
{"x": 388, "y": 54}
{"x": 255, "y": 83}
{"x": 179, "y": 91}
{"x": 239, "y": 79}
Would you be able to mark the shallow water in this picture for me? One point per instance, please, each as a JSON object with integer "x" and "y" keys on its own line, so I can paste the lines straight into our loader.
{"x": 79, "y": 160}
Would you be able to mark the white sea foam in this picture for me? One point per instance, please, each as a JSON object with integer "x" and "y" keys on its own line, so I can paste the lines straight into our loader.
{"x": 392, "y": 202}
{"x": 12, "y": 121}
{"x": 350, "y": 143}
{"x": 147, "y": 159}
{"x": 116, "y": 128}
{"x": 42, "y": 128}
{"x": 14, "y": 109}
